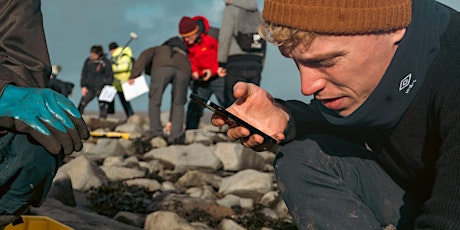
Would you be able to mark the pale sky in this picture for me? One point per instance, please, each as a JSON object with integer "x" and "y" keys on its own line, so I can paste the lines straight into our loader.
{"x": 72, "y": 27}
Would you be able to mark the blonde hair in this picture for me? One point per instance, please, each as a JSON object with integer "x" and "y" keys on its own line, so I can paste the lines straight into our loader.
{"x": 285, "y": 37}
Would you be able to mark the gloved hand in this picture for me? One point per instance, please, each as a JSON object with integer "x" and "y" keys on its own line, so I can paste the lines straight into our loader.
{"x": 47, "y": 116}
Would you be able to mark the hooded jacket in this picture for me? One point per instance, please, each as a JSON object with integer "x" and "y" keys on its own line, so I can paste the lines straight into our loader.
{"x": 203, "y": 53}
{"x": 96, "y": 73}
{"x": 228, "y": 45}
{"x": 121, "y": 66}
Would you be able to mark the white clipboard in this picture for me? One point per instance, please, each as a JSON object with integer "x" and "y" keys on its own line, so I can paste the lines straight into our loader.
{"x": 108, "y": 93}
{"x": 135, "y": 90}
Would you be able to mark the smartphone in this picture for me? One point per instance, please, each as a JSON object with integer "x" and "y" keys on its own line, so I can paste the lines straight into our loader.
{"x": 232, "y": 118}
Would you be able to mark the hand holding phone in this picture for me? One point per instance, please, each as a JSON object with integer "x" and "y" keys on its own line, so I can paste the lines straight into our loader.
{"x": 231, "y": 117}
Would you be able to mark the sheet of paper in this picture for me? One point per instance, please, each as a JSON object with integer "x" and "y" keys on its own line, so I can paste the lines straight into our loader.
{"x": 135, "y": 90}
{"x": 108, "y": 93}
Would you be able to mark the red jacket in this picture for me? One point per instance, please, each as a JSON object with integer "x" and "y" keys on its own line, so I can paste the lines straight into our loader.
{"x": 203, "y": 54}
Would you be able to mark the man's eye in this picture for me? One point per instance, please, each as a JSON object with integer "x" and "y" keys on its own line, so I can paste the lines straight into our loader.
{"x": 320, "y": 64}
{"x": 326, "y": 63}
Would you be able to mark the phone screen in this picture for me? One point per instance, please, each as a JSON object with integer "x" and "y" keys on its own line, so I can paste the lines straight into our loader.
{"x": 223, "y": 112}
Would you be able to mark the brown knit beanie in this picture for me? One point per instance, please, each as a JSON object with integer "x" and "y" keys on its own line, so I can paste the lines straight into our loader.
{"x": 339, "y": 16}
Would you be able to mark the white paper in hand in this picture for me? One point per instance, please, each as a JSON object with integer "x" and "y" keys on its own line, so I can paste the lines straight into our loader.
{"x": 108, "y": 93}
{"x": 138, "y": 88}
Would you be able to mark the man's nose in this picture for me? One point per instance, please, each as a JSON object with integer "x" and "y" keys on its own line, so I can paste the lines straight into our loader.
{"x": 311, "y": 80}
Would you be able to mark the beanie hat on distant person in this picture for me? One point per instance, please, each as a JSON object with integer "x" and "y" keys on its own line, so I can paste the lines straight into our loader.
{"x": 339, "y": 17}
{"x": 187, "y": 27}
{"x": 113, "y": 45}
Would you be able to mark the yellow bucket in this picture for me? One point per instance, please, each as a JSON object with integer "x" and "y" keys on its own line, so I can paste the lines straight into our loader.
{"x": 38, "y": 223}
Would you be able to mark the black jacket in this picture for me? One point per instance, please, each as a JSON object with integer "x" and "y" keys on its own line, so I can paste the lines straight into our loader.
{"x": 96, "y": 73}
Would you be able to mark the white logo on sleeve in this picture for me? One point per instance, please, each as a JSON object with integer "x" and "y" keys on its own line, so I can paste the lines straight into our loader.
{"x": 407, "y": 83}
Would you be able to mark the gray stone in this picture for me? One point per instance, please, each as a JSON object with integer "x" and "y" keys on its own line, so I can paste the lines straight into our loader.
{"x": 158, "y": 142}
{"x": 84, "y": 173}
{"x": 269, "y": 213}
{"x": 236, "y": 157}
{"x": 228, "y": 224}
{"x": 198, "y": 156}
{"x": 248, "y": 183}
{"x": 153, "y": 166}
{"x": 62, "y": 190}
{"x": 120, "y": 173}
{"x": 149, "y": 184}
{"x": 162, "y": 220}
{"x": 229, "y": 201}
{"x": 133, "y": 129}
{"x": 282, "y": 210}
{"x": 194, "y": 178}
{"x": 170, "y": 154}
{"x": 167, "y": 186}
{"x": 105, "y": 147}
{"x": 269, "y": 198}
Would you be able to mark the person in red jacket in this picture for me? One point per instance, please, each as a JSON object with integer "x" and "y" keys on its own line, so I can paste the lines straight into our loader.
{"x": 202, "y": 49}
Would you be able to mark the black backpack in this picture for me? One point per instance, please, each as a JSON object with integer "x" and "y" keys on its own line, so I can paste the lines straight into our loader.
{"x": 212, "y": 31}
{"x": 247, "y": 37}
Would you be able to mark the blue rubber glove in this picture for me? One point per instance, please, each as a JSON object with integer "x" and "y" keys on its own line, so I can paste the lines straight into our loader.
{"x": 47, "y": 116}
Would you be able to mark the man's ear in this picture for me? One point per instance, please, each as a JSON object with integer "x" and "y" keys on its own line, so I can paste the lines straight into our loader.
{"x": 398, "y": 35}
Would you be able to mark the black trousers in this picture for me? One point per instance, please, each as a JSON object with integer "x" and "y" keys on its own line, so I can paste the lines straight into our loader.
{"x": 158, "y": 83}
{"x": 103, "y": 106}
{"x": 245, "y": 71}
{"x": 205, "y": 90}
{"x": 125, "y": 104}
{"x": 329, "y": 183}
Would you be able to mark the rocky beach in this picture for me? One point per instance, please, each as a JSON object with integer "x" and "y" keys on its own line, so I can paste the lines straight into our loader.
{"x": 124, "y": 183}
